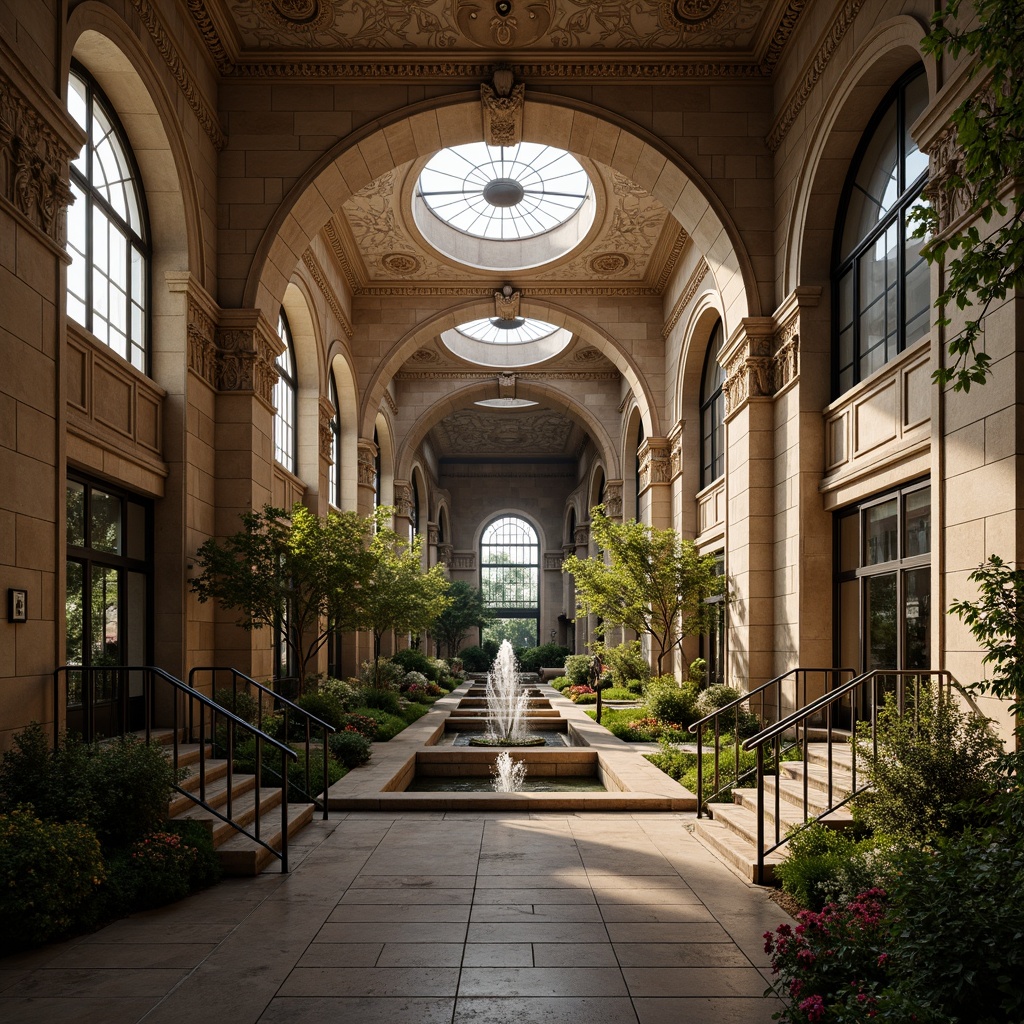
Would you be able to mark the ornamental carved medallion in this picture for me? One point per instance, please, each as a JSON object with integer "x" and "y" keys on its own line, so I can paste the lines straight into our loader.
{"x": 505, "y": 22}
{"x": 313, "y": 15}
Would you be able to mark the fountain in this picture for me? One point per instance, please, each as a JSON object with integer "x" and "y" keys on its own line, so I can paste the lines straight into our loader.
{"x": 507, "y": 704}
{"x": 508, "y": 774}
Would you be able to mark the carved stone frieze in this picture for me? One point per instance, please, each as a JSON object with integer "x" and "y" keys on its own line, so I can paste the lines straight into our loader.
{"x": 501, "y": 107}
{"x": 477, "y": 432}
{"x": 320, "y": 279}
{"x": 433, "y": 534}
{"x": 516, "y": 24}
{"x": 246, "y": 359}
{"x": 762, "y": 362}
{"x": 202, "y": 342}
{"x": 446, "y": 555}
{"x": 523, "y": 375}
{"x": 613, "y": 499}
{"x": 465, "y": 560}
{"x": 366, "y": 463}
{"x": 686, "y": 297}
{"x": 403, "y": 498}
{"x": 813, "y": 70}
{"x": 655, "y": 462}
{"x": 786, "y": 360}
{"x": 553, "y": 560}
{"x": 389, "y": 401}
{"x": 34, "y": 163}
{"x": 325, "y": 435}
{"x": 676, "y": 451}
{"x": 581, "y": 536}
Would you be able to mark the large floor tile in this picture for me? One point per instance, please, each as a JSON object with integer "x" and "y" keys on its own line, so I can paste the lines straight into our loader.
{"x": 540, "y": 1010}
{"x": 370, "y": 982}
{"x": 394, "y": 1010}
{"x": 541, "y": 981}
{"x": 693, "y": 981}
{"x": 703, "y": 1010}
{"x": 499, "y": 954}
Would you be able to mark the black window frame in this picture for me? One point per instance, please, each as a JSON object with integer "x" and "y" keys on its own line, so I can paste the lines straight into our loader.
{"x": 712, "y": 410}
{"x": 287, "y": 382}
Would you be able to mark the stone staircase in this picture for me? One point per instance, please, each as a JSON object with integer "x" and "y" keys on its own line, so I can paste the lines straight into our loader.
{"x": 731, "y": 831}
{"x": 238, "y": 854}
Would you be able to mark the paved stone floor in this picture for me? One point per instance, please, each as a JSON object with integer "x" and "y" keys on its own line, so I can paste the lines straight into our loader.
{"x": 433, "y": 918}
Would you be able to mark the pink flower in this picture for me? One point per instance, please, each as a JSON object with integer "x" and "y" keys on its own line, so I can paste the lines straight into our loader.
{"x": 814, "y": 1007}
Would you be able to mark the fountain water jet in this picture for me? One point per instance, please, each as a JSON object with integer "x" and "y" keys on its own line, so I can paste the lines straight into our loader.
{"x": 508, "y": 774}
{"x": 506, "y": 705}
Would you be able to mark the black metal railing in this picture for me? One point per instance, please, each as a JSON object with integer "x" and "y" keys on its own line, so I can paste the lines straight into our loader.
{"x": 770, "y": 701}
{"x": 106, "y": 694}
{"x": 290, "y": 712}
{"x": 853, "y": 704}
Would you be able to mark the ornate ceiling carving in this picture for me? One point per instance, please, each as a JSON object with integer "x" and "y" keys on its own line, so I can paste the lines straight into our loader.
{"x": 477, "y": 432}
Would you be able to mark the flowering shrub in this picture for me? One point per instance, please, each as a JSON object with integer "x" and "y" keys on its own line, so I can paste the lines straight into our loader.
{"x": 350, "y": 747}
{"x": 363, "y": 724}
{"x": 833, "y": 964}
{"x": 576, "y": 692}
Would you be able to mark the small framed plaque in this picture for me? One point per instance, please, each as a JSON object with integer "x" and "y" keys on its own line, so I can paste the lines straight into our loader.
{"x": 17, "y": 605}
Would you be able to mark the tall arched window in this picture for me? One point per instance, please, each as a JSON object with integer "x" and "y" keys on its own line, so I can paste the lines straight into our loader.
{"x": 712, "y": 411}
{"x": 334, "y": 474}
{"x": 510, "y": 580}
{"x": 376, "y": 470}
{"x": 880, "y": 282}
{"x": 108, "y": 233}
{"x": 285, "y": 399}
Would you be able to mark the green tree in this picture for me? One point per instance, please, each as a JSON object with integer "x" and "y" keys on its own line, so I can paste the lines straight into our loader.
{"x": 299, "y": 568}
{"x": 983, "y": 262}
{"x": 395, "y": 593}
{"x": 464, "y": 612}
{"x": 651, "y": 581}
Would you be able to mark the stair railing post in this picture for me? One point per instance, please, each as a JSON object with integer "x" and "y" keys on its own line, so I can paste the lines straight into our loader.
{"x": 327, "y": 778}
{"x": 259, "y": 783}
{"x": 778, "y": 796}
{"x": 284, "y": 813}
{"x": 760, "y": 814}
{"x": 700, "y": 771}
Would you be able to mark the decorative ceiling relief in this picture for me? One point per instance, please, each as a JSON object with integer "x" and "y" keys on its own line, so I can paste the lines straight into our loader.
{"x": 447, "y": 25}
{"x": 511, "y": 24}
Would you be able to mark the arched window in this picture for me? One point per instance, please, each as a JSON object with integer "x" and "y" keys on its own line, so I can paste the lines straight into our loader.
{"x": 880, "y": 282}
{"x": 108, "y": 233}
{"x": 636, "y": 466}
{"x": 510, "y": 581}
{"x": 414, "y": 512}
{"x": 712, "y": 411}
{"x": 376, "y": 470}
{"x": 285, "y": 399}
{"x": 334, "y": 474}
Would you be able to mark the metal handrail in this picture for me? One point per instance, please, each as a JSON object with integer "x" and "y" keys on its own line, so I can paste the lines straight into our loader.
{"x": 825, "y": 705}
{"x": 716, "y": 717}
{"x": 308, "y": 719}
{"x": 150, "y": 675}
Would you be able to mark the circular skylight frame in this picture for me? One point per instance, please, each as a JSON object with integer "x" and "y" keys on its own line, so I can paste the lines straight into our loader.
{"x": 525, "y": 343}
{"x": 504, "y": 193}
{"x": 492, "y": 331}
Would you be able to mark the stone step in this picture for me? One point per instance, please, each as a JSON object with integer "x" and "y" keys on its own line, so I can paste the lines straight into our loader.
{"x": 791, "y": 805}
{"x": 216, "y": 788}
{"x": 734, "y": 850}
{"x": 241, "y": 856}
{"x": 817, "y": 779}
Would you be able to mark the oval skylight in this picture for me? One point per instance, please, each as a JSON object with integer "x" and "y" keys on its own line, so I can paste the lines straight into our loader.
{"x": 506, "y": 343}
{"x": 503, "y": 192}
{"x": 504, "y": 207}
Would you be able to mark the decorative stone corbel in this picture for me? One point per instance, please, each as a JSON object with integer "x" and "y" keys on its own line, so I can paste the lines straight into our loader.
{"x": 366, "y": 463}
{"x": 403, "y": 498}
{"x": 502, "y": 108}
{"x": 324, "y": 433}
{"x": 613, "y": 499}
{"x": 655, "y": 462}
{"x": 506, "y": 303}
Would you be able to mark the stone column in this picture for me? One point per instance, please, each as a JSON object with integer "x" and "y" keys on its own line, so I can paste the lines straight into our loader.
{"x": 366, "y": 456}
{"x": 656, "y": 483}
{"x": 584, "y": 623}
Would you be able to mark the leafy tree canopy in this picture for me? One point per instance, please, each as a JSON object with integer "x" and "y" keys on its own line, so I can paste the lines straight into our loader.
{"x": 300, "y": 564}
{"x": 651, "y": 581}
{"x": 983, "y": 262}
{"x": 465, "y": 612}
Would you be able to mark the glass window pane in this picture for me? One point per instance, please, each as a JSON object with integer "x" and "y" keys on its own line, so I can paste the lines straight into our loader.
{"x": 136, "y": 540}
{"x": 881, "y": 621}
{"x": 880, "y": 532}
{"x": 75, "y": 512}
{"x": 105, "y": 525}
{"x": 849, "y": 624}
{"x": 917, "y": 525}
{"x": 74, "y": 612}
{"x": 917, "y": 615}
{"x": 915, "y": 163}
{"x": 105, "y": 633}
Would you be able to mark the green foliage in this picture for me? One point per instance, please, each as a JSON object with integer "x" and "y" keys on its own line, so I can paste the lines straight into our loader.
{"x": 533, "y": 659}
{"x": 465, "y": 612}
{"x": 239, "y": 702}
{"x": 626, "y": 661}
{"x": 350, "y": 748}
{"x": 697, "y": 670}
{"x": 48, "y": 871}
{"x": 650, "y": 581}
{"x": 363, "y": 724}
{"x": 475, "y": 659}
{"x": 297, "y": 792}
{"x": 983, "y": 264}
{"x": 681, "y": 765}
{"x": 738, "y": 719}
{"x": 670, "y": 702}
{"x": 826, "y": 865}
{"x": 929, "y": 761}
{"x": 394, "y": 593}
{"x": 413, "y": 660}
{"x": 577, "y": 669}
{"x": 996, "y": 621}
{"x": 618, "y": 693}
{"x": 322, "y": 704}
{"x": 54, "y": 782}
{"x": 388, "y": 724}
{"x": 382, "y": 699}
{"x": 340, "y": 690}
{"x": 382, "y": 674}
{"x": 413, "y": 712}
{"x": 312, "y": 566}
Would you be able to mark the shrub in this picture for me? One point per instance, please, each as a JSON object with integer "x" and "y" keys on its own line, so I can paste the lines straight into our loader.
{"x": 834, "y": 963}
{"x": 388, "y": 674}
{"x": 618, "y": 693}
{"x": 131, "y": 782}
{"x": 388, "y": 725}
{"x": 413, "y": 679}
{"x": 383, "y": 700}
{"x": 297, "y": 792}
{"x": 340, "y": 690}
{"x": 719, "y": 696}
{"x": 824, "y": 865}
{"x": 321, "y": 704}
{"x": 697, "y": 671}
{"x": 635, "y": 687}
{"x": 48, "y": 871}
{"x": 490, "y": 648}
{"x": 669, "y": 702}
{"x": 581, "y": 694}
{"x": 682, "y": 766}
{"x": 362, "y": 724}
{"x": 412, "y": 712}
{"x": 533, "y": 659}
{"x": 627, "y": 662}
{"x": 577, "y": 670}
{"x": 413, "y": 660}
{"x": 928, "y": 764}
{"x": 239, "y": 702}
{"x": 54, "y": 782}
{"x": 350, "y": 747}
{"x": 475, "y": 659}
{"x": 423, "y": 693}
